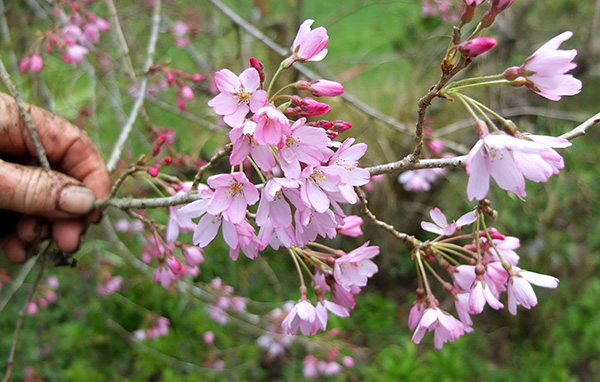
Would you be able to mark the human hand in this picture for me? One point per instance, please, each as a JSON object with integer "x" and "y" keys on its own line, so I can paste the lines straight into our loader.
{"x": 40, "y": 203}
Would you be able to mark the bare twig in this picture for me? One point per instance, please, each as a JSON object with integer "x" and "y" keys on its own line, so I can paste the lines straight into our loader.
{"x": 407, "y": 164}
{"x": 580, "y": 130}
{"x": 213, "y": 162}
{"x": 409, "y": 239}
{"x": 10, "y": 366}
{"x": 114, "y": 17}
{"x": 41, "y": 152}
{"x": 17, "y": 282}
{"x": 118, "y": 148}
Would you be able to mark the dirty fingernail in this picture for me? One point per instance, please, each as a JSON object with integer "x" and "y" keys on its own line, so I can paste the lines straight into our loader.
{"x": 76, "y": 200}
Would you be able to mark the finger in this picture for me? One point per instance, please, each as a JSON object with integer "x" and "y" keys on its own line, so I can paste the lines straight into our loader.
{"x": 35, "y": 191}
{"x": 67, "y": 234}
{"x": 14, "y": 249}
{"x": 68, "y": 148}
{"x": 31, "y": 229}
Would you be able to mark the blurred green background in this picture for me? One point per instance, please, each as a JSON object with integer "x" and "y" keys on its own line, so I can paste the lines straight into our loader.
{"x": 387, "y": 56}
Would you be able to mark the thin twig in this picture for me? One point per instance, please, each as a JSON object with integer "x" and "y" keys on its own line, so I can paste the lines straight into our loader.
{"x": 407, "y": 164}
{"x": 409, "y": 239}
{"x": 10, "y": 366}
{"x": 580, "y": 130}
{"x": 124, "y": 136}
{"x": 17, "y": 282}
{"x": 213, "y": 162}
{"x": 41, "y": 152}
{"x": 114, "y": 16}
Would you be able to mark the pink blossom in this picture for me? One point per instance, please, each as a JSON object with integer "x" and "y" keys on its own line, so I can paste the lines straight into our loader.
{"x": 540, "y": 167}
{"x": 309, "y": 45}
{"x": 441, "y": 226}
{"x": 492, "y": 156}
{"x": 25, "y": 64}
{"x": 318, "y": 187}
{"x": 238, "y": 96}
{"x": 305, "y": 144}
{"x": 36, "y": 63}
{"x": 479, "y": 295}
{"x": 271, "y": 126}
{"x": 545, "y": 70}
{"x": 165, "y": 276}
{"x": 209, "y": 337}
{"x": 304, "y": 316}
{"x": 348, "y": 362}
{"x": 416, "y": 312}
{"x": 310, "y": 223}
{"x": 446, "y": 327}
{"x": 476, "y": 46}
{"x": 273, "y": 204}
{"x": 75, "y": 54}
{"x": 420, "y": 180}
{"x": 242, "y": 138}
{"x": 187, "y": 92}
{"x": 355, "y": 267}
{"x": 520, "y": 291}
{"x": 233, "y": 193}
{"x": 193, "y": 256}
{"x": 310, "y": 369}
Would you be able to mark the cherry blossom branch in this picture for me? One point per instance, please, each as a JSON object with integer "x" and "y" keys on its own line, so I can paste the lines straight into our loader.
{"x": 283, "y": 52}
{"x": 10, "y": 365}
{"x": 407, "y": 164}
{"x": 124, "y": 136}
{"x": 426, "y": 100}
{"x": 41, "y": 152}
{"x": 211, "y": 163}
{"x": 410, "y": 240}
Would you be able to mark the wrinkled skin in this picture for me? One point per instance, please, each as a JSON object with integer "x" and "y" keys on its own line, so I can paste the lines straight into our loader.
{"x": 36, "y": 203}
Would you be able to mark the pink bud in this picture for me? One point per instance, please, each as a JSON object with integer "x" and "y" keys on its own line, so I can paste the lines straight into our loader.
{"x": 48, "y": 47}
{"x": 153, "y": 171}
{"x": 254, "y": 63}
{"x": 477, "y": 46}
{"x": 348, "y": 362}
{"x": 25, "y": 64}
{"x": 209, "y": 338}
{"x": 197, "y": 77}
{"x": 170, "y": 77}
{"x": 180, "y": 103}
{"x": 36, "y": 63}
{"x": 187, "y": 92}
{"x": 326, "y": 88}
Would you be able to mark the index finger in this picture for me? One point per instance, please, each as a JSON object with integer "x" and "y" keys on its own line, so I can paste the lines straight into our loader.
{"x": 68, "y": 148}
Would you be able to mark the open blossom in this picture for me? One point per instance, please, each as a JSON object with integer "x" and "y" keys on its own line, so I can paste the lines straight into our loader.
{"x": 355, "y": 267}
{"x": 242, "y": 138}
{"x": 233, "y": 193}
{"x": 303, "y": 316}
{"x": 271, "y": 126}
{"x": 495, "y": 156}
{"x": 545, "y": 70}
{"x": 520, "y": 291}
{"x": 446, "y": 327}
{"x": 238, "y": 96}
{"x": 309, "y": 45}
{"x": 441, "y": 225}
{"x": 421, "y": 179}
{"x": 479, "y": 295}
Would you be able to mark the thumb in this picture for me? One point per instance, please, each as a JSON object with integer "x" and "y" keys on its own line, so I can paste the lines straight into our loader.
{"x": 36, "y": 191}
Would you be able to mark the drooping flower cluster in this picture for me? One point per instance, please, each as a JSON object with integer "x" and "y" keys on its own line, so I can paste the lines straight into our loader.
{"x": 509, "y": 160}
{"x": 493, "y": 269}
{"x": 80, "y": 32}
{"x": 157, "y": 327}
{"x": 44, "y": 296}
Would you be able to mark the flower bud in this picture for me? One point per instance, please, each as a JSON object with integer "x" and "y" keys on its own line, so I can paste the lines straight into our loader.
{"x": 254, "y": 63}
{"x": 476, "y": 46}
{"x": 187, "y": 92}
{"x": 326, "y": 88}
{"x": 25, "y": 64}
{"x": 36, "y": 63}
{"x": 481, "y": 128}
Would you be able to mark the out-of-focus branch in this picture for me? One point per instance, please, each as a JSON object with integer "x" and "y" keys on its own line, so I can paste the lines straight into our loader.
{"x": 283, "y": 52}
{"x": 114, "y": 16}
{"x": 7, "y": 45}
{"x": 41, "y": 152}
{"x": 10, "y": 365}
{"x": 118, "y": 148}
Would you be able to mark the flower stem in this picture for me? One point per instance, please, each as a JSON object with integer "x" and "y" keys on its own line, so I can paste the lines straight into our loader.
{"x": 274, "y": 78}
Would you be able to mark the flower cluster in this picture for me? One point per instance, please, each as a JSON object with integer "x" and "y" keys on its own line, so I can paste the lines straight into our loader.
{"x": 44, "y": 296}
{"x": 224, "y": 301}
{"x": 493, "y": 269}
{"x": 157, "y": 327}
{"x": 80, "y": 32}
